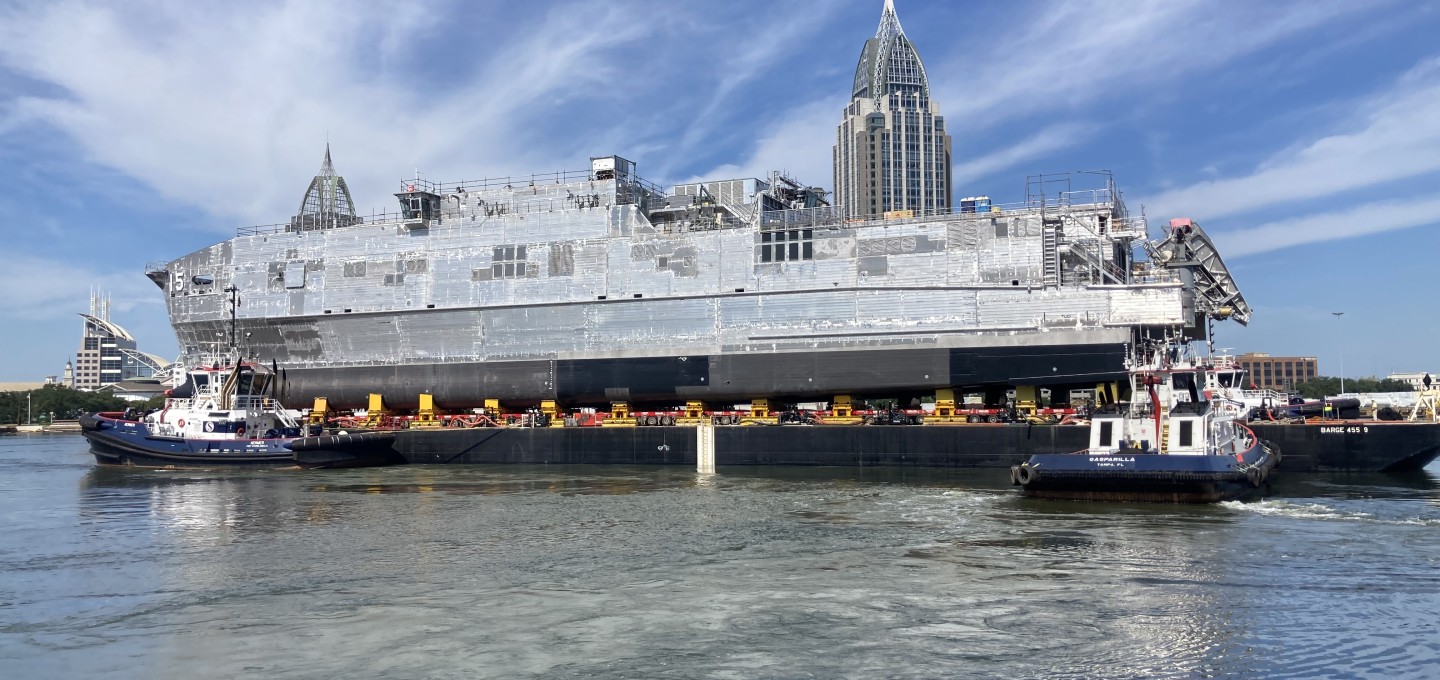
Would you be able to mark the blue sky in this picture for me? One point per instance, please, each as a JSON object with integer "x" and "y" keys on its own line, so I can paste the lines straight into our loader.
{"x": 1304, "y": 136}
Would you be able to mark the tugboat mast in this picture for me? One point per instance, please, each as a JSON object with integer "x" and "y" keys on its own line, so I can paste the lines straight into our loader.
{"x": 234, "y": 302}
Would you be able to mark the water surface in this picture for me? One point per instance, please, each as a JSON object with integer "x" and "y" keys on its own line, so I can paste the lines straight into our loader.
{"x": 656, "y": 572}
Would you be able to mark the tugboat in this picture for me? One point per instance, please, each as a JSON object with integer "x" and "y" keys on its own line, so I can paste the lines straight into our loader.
{"x": 1170, "y": 444}
{"x": 227, "y": 415}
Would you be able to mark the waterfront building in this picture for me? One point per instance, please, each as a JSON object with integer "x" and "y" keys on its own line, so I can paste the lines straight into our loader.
{"x": 108, "y": 353}
{"x": 1416, "y": 380}
{"x": 892, "y": 154}
{"x": 1277, "y": 373}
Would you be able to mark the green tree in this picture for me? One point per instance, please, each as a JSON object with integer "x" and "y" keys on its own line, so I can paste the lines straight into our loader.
{"x": 62, "y": 401}
{"x": 1327, "y": 386}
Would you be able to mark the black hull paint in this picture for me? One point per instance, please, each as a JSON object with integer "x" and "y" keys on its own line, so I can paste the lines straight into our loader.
{"x": 1304, "y": 448}
{"x": 1353, "y": 446}
{"x": 118, "y": 443}
{"x": 1146, "y": 477}
{"x": 714, "y": 379}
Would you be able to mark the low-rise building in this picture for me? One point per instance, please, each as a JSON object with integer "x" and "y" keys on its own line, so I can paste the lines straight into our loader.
{"x": 1277, "y": 373}
{"x": 1416, "y": 380}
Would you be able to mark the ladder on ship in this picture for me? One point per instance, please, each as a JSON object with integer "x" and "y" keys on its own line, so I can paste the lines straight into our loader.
{"x": 1050, "y": 243}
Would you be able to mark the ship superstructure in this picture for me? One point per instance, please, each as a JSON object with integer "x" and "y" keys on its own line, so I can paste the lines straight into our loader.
{"x": 597, "y": 286}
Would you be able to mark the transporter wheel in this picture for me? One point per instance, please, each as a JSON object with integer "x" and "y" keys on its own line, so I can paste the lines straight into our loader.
{"x": 652, "y": 420}
{"x": 992, "y": 418}
{"x": 669, "y": 421}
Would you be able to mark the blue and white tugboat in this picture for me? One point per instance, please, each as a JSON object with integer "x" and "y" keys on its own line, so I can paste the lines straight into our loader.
{"x": 1169, "y": 444}
{"x": 227, "y": 415}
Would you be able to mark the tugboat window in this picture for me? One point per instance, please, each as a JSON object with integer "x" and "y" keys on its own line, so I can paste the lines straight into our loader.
{"x": 1187, "y": 433}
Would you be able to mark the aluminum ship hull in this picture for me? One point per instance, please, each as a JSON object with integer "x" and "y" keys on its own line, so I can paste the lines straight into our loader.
{"x": 596, "y": 286}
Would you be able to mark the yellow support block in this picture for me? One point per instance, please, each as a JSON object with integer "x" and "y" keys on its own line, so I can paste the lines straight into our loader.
{"x": 427, "y": 415}
{"x": 1025, "y": 398}
{"x": 320, "y": 410}
{"x": 694, "y": 409}
{"x": 842, "y": 407}
{"x": 759, "y": 408}
{"x": 619, "y": 415}
{"x": 375, "y": 414}
{"x": 552, "y": 413}
{"x": 945, "y": 403}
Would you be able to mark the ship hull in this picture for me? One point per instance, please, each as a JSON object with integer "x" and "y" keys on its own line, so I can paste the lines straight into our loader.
{"x": 1303, "y": 448}
{"x": 713, "y": 378}
{"x": 1353, "y": 445}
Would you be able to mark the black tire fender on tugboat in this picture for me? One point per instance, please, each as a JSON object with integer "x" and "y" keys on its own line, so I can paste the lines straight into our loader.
{"x": 1255, "y": 476}
{"x": 1024, "y": 474}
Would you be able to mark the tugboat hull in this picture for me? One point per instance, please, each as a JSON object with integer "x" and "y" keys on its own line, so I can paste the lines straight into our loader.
{"x": 1146, "y": 476}
{"x": 120, "y": 442}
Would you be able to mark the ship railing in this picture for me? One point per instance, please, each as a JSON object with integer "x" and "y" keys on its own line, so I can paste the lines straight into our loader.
{"x": 801, "y": 217}
{"x": 1096, "y": 200}
{"x": 492, "y": 183}
{"x": 157, "y": 266}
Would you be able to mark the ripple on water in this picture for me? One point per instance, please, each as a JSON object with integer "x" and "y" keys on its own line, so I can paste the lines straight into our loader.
{"x": 559, "y": 571}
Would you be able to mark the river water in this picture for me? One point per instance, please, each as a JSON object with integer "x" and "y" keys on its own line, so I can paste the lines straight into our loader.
{"x": 656, "y": 572}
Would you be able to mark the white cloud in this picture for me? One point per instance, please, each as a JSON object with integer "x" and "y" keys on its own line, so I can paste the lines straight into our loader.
{"x": 209, "y": 106}
{"x": 1361, "y": 220}
{"x": 1032, "y": 148}
{"x": 48, "y": 288}
{"x": 1075, "y": 53}
{"x": 754, "y": 55}
{"x": 1399, "y": 138}
{"x": 800, "y": 144}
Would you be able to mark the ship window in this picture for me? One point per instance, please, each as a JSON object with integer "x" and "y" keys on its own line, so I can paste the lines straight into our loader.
{"x": 786, "y": 245}
{"x": 508, "y": 262}
{"x": 1107, "y": 433}
{"x": 1187, "y": 432}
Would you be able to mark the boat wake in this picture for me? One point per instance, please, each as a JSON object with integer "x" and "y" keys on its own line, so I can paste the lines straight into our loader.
{"x": 1320, "y": 511}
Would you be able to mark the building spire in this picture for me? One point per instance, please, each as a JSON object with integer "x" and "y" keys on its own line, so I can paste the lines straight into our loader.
{"x": 889, "y": 63}
{"x": 889, "y": 22}
{"x": 327, "y": 202}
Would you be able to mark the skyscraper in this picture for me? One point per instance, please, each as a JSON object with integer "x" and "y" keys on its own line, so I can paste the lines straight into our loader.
{"x": 892, "y": 151}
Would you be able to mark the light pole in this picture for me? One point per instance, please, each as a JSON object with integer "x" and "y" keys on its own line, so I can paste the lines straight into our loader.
{"x": 1342, "y": 354}
{"x": 28, "y": 419}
